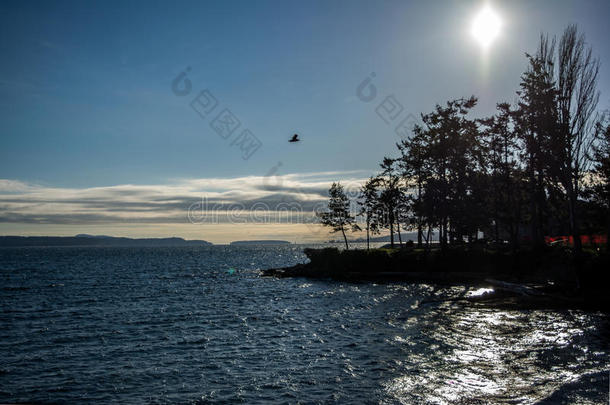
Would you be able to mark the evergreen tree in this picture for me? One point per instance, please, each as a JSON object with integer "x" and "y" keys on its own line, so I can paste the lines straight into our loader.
{"x": 369, "y": 207}
{"x": 338, "y": 216}
{"x": 501, "y": 151}
{"x": 412, "y": 162}
{"x": 450, "y": 144}
{"x": 536, "y": 125}
{"x": 391, "y": 197}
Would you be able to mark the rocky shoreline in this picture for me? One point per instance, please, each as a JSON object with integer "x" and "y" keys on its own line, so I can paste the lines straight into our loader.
{"x": 545, "y": 287}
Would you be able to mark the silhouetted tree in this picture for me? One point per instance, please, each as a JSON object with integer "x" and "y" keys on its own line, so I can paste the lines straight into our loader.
{"x": 501, "y": 154}
{"x": 390, "y": 196}
{"x": 415, "y": 171}
{"x": 369, "y": 207}
{"x": 577, "y": 99}
{"x": 339, "y": 215}
{"x": 450, "y": 144}
{"x": 601, "y": 176}
{"x": 557, "y": 124}
{"x": 536, "y": 126}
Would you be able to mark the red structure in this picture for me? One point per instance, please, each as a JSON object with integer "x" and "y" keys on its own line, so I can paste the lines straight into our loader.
{"x": 586, "y": 239}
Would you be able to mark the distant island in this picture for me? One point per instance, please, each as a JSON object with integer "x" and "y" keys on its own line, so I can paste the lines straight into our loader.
{"x": 94, "y": 240}
{"x": 259, "y": 242}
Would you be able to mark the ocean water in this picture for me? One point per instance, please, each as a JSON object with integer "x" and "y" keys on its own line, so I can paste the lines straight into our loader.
{"x": 198, "y": 325}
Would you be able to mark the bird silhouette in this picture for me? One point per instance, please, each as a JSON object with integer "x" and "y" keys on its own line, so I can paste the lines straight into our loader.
{"x": 295, "y": 138}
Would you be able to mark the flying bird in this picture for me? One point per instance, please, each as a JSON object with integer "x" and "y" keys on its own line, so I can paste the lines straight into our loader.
{"x": 295, "y": 138}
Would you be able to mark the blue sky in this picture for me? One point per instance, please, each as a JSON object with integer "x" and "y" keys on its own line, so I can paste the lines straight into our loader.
{"x": 86, "y": 98}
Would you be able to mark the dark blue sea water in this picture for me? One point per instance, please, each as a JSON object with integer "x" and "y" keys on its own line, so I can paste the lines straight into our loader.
{"x": 198, "y": 325}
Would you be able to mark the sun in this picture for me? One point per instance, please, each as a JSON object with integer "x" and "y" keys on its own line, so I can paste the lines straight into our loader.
{"x": 486, "y": 26}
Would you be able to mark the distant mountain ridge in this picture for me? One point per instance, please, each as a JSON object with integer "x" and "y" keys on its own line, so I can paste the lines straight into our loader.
{"x": 259, "y": 242}
{"x": 95, "y": 240}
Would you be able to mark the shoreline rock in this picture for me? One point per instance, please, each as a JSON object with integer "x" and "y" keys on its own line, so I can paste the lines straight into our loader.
{"x": 547, "y": 286}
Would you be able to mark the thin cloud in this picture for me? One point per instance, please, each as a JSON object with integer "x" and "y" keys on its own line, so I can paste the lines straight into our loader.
{"x": 241, "y": 199}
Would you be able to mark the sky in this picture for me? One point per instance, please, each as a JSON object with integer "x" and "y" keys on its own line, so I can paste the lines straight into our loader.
{"x": 113, "y": 114}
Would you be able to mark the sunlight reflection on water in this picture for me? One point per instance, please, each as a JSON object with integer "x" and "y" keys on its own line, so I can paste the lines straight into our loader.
{"x": 479, "y": 292}
{"x": 495, "y": 356}
{"x": 172, "y": 325}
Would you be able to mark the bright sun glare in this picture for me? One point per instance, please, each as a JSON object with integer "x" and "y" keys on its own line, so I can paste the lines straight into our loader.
{"x": 486, "y": 26}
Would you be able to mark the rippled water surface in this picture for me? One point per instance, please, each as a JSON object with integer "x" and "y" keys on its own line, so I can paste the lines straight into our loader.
{"x": 198, "y": 325}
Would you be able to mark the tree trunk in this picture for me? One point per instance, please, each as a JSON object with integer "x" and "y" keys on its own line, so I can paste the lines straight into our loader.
{"x": 517, "y": 221}
{"x": 368, "y": 226}
{"x": 444, "y": 234}
{"x": 540, "y": 199}
{"x": 392, "y": 234}
{"x": 419, "y": 219}
{"x": 440, "y": 234}
{"x": 399, "y": 236}
{"x": 574, "y": 231}
{"x": 344, "y": 238}
{"x": 428, "y": 239}
{"x": 535, "y": 227}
